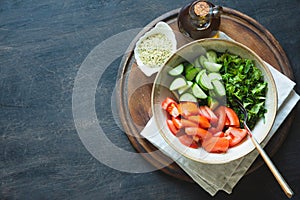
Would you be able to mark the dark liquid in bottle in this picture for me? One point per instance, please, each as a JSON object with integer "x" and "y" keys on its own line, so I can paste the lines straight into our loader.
{"x": 199, "y": 19}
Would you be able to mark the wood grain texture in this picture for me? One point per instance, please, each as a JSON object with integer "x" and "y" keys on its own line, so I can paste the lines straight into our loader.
{"x": 42, "y": 45}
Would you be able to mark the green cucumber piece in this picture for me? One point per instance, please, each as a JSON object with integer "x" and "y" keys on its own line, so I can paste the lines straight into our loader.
{"x": 187, "y": 97}
{"x": 212, "y": 103}
{"x": 219, "y": 87}
{"x": 197, "y": 79}
{"x": 185, "y": 88}
{"x": 178, "y": 83}
{"x": 204, "y": 81}
{"x": 198, "y": 92}
{"x": 188, "y": 67}
{"x": 176, "y": 71}
{"x": 191, "y": 73}
{"x": 211, "y": 56}
{"x": 202, "y": 59}
{"x": 214, "y": 76}
{"x": 197, "y": 63}
{"x": 212, "y": 66}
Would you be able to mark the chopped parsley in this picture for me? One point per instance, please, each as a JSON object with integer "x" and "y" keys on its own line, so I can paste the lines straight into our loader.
{"x": 245, "y": 81}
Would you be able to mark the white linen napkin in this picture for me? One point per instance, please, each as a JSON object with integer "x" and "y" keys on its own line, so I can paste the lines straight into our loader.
{"x": 224, "y": 177}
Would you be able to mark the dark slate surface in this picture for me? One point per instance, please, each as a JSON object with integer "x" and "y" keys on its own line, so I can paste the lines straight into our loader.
{"x": 42, "y": 45}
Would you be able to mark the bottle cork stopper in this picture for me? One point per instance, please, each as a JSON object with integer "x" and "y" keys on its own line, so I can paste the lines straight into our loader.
{"x": 201, "y": 9}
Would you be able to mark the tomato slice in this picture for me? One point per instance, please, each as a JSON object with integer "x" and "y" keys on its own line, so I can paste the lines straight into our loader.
{"x": 188, "y": 123}
{"x": 232, "y": 117}
{"x": 200, "y": 120}
{"x": 165, "y": 104}
{"x": 216, "y": 145}
{"x": 188, "y": 108}
{"x": 172, "y": 127}
{"x": 213, "y": 117}
{"x": 188, "y": 141}
{"x": 219, "y": 134}
{"x": 172, "y": 109}
{"x": 219, "y": 126}
{"x": 227, "y": 122}
{"x": 235, "y": 135}
{"x": 177, "y": 122}
{"x": 200, "y": 132}
{"x": 204, "y": 113}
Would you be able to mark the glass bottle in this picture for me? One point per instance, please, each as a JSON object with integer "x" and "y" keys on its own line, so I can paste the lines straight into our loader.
{"x": 199, "y": 19}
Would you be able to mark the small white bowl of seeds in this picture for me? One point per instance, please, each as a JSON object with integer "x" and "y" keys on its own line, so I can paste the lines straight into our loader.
{"x": 154, "y": 48}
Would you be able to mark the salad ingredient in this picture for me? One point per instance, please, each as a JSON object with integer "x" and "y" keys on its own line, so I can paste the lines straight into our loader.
{"x": 216, "y": 75}
{"x": 188, "y": 108}
{"x": 177, "y": 70}
{"x": 235, "y": 135}
{"x": 216, "y": 144}
{"x": 178, "y": 83}
{"x": 245, "y": 81}
{"x": 198, "y": 92}
{"x": 197, "y": 126}
{"x": 172, "y": 127}
{"x": 188, "y": 141}
{"x": 200, "y": 120}
{"x": 188, "y": 97}
{"x": 232, "y": 117}
{"x": 185, "y": 88}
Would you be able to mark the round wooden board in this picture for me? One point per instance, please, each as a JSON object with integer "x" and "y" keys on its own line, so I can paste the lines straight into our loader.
{"x": 135, "y": 87}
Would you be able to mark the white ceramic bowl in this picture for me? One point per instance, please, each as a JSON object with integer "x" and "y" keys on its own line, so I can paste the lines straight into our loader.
{"x": 189, "y": 52}
{"x": 160, "y": 28}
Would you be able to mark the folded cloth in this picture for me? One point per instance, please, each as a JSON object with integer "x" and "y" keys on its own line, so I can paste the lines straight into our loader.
{"x": 213, "y": 178}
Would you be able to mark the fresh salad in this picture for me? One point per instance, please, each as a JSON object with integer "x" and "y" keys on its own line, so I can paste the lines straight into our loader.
{"x": 204, "y": 115}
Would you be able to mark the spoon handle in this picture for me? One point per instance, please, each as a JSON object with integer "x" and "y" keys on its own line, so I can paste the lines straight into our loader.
{"x": 286, "y": 188}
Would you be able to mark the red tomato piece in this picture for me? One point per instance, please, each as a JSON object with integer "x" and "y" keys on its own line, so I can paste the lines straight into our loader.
{"x": 232, "y": 117}
{"x": 188, "y": 108}
{"x": 219, "y": 134}
{"x": 213, "y": 117}
{"x": 219, "y": 126}
{"x": 200, "y": 120}
{"x": 200, "y": 132}
{"x": 172, "y": 127}
{"x": 165, "y": 104}
{"x": 216, "y": 145}
{"x": 227, "y": 122}
{"x": 235, "y": 135}
{"x": 177, "y": 122}
{"x": 188, "y": 141}
{"x": 172, "y": 109}
{"x": 204, "y": 113}
{"x": 188, "y": 123}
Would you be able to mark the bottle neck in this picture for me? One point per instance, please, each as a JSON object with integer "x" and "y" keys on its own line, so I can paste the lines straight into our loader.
{"x": 201, "y": 14}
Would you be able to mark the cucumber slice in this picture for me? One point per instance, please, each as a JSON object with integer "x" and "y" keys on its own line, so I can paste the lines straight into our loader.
{"x": 204, "y": 81}
{"x": 176, "y": 70}
{"x": 185, "y": 88}
{"x": 197, "y": 79}
{"x": 211, "y": 66}
{"x": 197, "y": 63}
{"x": 211, "y": 56}
{"x": 188, "y": 97}
{"x": 178, "y": 83}
{"x": 202, "y": 59}
{"x": 214, "y": 76}
{"x": 219, "y": 87}
{"x": 198, "y": 92}
{"x": 191, "y": 73}
{"x": 188, "y": 67}
{"x": 212, "y": 103}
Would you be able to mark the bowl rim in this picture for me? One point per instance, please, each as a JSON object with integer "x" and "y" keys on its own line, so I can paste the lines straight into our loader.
{"x": 268, "y": 73}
